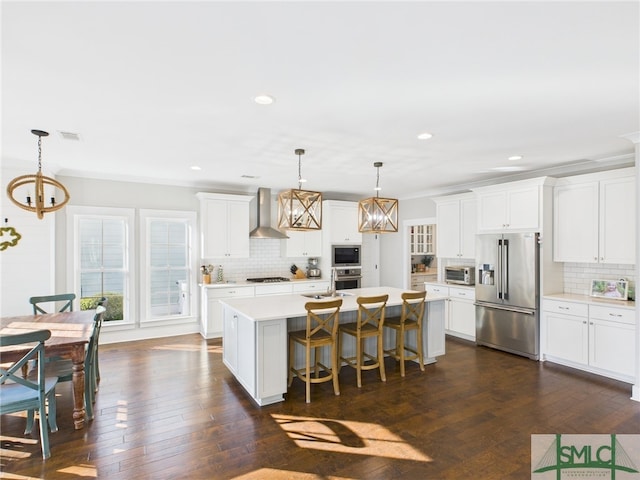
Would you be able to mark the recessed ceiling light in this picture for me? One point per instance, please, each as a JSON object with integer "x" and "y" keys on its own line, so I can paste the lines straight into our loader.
{"x": 425, "y": 136}
{"x": 515, "y": 157}
{"x": 264, "y": 99}
{"x": 195, "y": 167}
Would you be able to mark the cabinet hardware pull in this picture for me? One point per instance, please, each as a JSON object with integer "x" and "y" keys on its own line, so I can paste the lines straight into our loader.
{"x": 563, "y": 308}
{"x": 615, "y": 315}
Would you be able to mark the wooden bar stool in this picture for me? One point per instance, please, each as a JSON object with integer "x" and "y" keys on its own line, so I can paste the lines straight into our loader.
{"x": 410, "y": 319}
{"x": 321, "y": 331}
{"x": 367, "y": 325}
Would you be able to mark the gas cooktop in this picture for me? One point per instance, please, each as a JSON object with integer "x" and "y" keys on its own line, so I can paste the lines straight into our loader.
{"x": 268, "y": 280}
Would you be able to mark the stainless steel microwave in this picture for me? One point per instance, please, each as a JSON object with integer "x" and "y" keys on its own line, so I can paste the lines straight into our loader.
{"x": 460, "y": 275}
{"x": 345, "y": 255}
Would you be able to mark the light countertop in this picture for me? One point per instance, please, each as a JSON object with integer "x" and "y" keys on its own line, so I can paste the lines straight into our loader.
{"x": 292, "y": 281}
{"x": 571, "y": 297}
{"x": 290, "y": 306}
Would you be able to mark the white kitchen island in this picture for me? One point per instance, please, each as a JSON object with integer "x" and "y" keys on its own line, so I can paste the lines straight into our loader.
{"x": 255, "y": 343}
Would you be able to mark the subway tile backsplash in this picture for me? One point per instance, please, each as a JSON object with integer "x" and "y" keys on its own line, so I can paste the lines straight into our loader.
{"x": 578, "y": 276}
{"x": 265, "y": 261}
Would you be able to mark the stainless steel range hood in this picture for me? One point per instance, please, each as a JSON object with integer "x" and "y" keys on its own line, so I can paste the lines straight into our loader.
{"x": 264, "y": 229}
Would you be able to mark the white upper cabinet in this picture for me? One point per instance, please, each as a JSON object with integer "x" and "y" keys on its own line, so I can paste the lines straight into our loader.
{"x": 224, "y": 225}
{"x": 515, "y": 206}
{"x": 594, "y": 218}
{"x": 422, "y": 240}
{"x": 340, "y": 219}
{"x": 456, "y": 226}
{"x": 302, "y": 244}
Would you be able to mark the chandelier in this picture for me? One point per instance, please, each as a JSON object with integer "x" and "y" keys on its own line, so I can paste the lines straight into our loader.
{"x": 300, "y": 209}
{"x": 37, "y": 182}
{"x": 377, "y": 214}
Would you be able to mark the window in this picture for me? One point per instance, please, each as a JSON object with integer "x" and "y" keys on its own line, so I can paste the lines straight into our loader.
{"x": 166, "y": 263}
{"x": 101, "y": 253}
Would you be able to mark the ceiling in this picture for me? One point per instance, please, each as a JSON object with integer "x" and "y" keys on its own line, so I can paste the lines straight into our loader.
{"x": 154, "y": 88}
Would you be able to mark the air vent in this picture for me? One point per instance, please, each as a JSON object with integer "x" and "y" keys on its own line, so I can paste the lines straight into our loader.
{"x": 69, "y": 136}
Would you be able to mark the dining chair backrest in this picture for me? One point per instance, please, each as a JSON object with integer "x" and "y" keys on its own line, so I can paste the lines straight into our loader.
{"x": 18, "y": 393}
{"x": 67, "y": 298}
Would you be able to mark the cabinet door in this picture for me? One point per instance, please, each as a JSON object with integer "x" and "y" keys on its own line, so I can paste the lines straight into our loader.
{"x": 246, "y": 348}
{"x": 294, "y": 245}
{"x": 214, "y": 228}
{"x": 434, "y": 340}
{"x": 468, "y": 228}
{"x": 448, "y": 231}
{"x": 271, "y": 362}
{"x": 492, "y": 210}
{"x": 567, "y": 337}
{"x": 575, "y": 223}
{"x": 612, "y": 346}
{"x": 462, "y": 317}
{"x": 313, "y": 244}
{"x": 523, "y": 208}
{"x": 617, "y": 221}
{"x": 344, "y": 224}
{"x": 230, "y": 340}
{"x": 237, "y": 226}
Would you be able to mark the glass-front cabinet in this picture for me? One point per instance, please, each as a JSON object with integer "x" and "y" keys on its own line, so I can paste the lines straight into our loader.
{"x": 423, "y": 239}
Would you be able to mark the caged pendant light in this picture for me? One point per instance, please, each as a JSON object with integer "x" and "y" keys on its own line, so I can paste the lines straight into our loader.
{"x": 377, "y": 214}
{"x": 300, "y": 209}
{"x": 37, "y": 183}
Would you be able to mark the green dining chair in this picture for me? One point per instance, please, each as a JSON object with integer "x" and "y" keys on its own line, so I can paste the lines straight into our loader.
{"x": 68, "y": 298}
{"x": 63, "y": 369}
{"x": 18, "y": 394}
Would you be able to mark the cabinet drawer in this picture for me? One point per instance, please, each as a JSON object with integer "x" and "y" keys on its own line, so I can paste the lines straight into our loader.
{"x": 279, "y": 289}
{"x": 462, "y": 293}
{"x": 310, "y": 287}
{"x": 612, "y": 314}
{"x": 230, "y": 292}
{"x": 437, "y": 289}
{"x": 566, "y": 308}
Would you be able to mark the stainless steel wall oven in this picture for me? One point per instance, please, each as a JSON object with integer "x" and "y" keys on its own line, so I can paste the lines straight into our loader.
{"x": 347, "y": 278}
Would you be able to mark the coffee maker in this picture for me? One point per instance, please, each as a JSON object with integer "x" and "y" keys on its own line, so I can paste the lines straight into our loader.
{"x": 312, "y": 268}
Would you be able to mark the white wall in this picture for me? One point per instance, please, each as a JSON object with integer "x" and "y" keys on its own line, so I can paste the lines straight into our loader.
{"x": 392, "y": 245}
{"x": 26, "y": 269}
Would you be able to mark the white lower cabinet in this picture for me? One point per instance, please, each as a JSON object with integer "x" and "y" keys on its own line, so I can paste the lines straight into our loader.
{"x": 596, "y": 338}
{"x": 211, "y": 309}
{"x": 460, "y": 315}
{"x": 254, "y": 354}
{"x": 211, "y": 314}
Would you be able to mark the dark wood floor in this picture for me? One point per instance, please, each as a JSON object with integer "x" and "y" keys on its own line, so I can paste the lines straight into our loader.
{"x": 169, "y": 409}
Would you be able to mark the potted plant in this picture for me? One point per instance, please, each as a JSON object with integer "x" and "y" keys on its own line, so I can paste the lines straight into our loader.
{"x": 427, "y": 260}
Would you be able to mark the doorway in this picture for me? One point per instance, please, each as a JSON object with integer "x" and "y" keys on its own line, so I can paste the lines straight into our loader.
{"x": 420, "y": 263}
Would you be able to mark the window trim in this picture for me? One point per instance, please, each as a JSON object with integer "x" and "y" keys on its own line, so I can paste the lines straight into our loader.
{"x": 73, "y": 215}
{"x": 145, "y": 215}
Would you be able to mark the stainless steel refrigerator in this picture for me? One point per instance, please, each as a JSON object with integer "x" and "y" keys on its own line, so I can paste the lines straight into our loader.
{"x": 507, "y": 292}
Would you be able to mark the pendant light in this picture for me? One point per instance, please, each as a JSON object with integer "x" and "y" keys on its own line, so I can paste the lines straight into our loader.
{"x": 300, "y": 209}
{"x": 37, "y": 202}
{"x": 377, "y": 214}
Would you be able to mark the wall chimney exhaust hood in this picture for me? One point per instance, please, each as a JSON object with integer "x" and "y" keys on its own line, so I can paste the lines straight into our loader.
{"x": 264, "y": 229}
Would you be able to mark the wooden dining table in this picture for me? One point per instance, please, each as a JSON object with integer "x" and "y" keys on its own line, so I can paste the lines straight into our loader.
{"x": 70, "y": 333}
